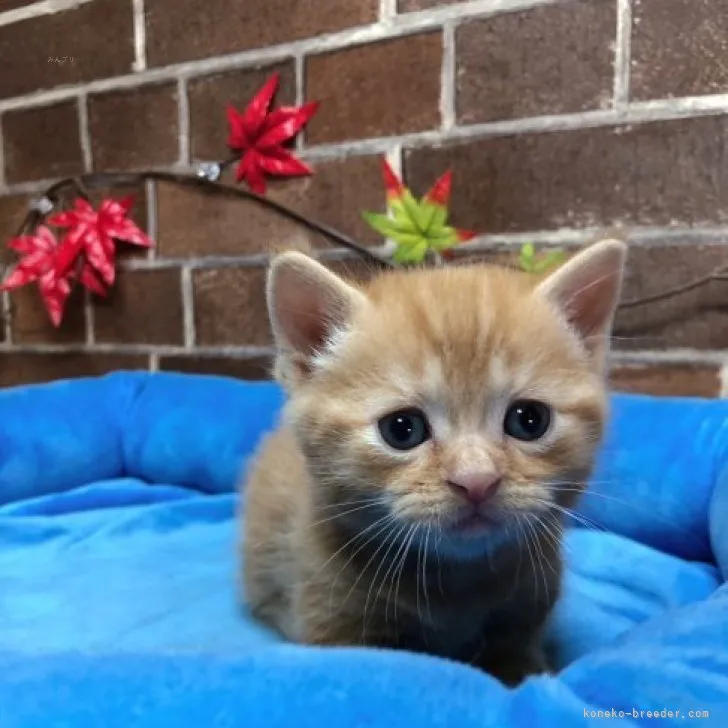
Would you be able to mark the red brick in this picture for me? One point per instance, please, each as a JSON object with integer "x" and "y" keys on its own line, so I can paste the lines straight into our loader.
{"x": 31, "y": 324}
{"x": 42, "y": 142}
{"x": 502, "y": 258}
{"x": 255, "y": 368}
{"x": 407, "y": 6}
{"x": 655, "y": 174}
{"x": 353, "y": 269}
{"x": 230, "y": 307}
{"x": 210, "y": 95}
{"x": 144, "y": 307}
{"x": 22, "y": 369}
{"x": 667, "y": 380}
{"x": 194, "y": 223}
{"x": 397, "y": 86}
{"x": 553, "y": 59}
{"x": 6, "y": 5}
{"x": 695, "y": 319}
{"x": 184, "y": 30}
{"x": 96, "y": 39}
{"x": 13, "y": 210}
{"x": 134, "y": 129}
{"x": 679, "y": 48}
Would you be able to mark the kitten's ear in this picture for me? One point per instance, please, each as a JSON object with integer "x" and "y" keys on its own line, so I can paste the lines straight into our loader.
{"x": 586, "y": 290}
{"x": 307, "y": 304}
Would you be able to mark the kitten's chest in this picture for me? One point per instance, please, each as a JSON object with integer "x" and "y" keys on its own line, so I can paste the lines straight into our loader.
{"x": 456, "y": 631}
{"x": 453, "y": 614}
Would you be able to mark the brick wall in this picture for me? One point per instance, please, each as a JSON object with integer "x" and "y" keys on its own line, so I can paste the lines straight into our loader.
{"x": 560, "y": 119}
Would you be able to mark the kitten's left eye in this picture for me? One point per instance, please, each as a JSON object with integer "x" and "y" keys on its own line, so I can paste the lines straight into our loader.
{"x": 527, "y": 420}
{"x": 405, "y": 429}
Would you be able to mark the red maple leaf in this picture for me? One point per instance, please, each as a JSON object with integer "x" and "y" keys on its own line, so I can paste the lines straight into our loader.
{"x": 93, "y": 234}
{"x": 259, "y": 134}
{"x": 38, "y": 264}
{"x": 90, "y": 279}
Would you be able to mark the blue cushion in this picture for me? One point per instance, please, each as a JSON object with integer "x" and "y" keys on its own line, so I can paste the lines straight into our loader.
{"x": 118, "y": 574}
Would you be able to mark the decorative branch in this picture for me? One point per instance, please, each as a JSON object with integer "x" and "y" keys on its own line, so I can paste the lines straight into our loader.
{"x": 101, "y": 180}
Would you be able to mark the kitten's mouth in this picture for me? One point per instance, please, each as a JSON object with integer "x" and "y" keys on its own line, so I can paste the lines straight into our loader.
{"x": 472, "y": 523}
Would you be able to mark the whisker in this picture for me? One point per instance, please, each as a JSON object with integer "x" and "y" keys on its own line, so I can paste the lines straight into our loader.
{"x": 417, "y": 587}
{"x": 520, "y": 534}
{"x": 520, "y": 556}
{"x": 439, "y": 562}
{"x": 352, "y": 540}
{"x": 424, "y": 572}
{"x": 342, "y": 504}
{"x": 393, "y": 542}
{"x": 395, "y": 563}
{"x": 554, "y": 529}
{"x": 342, "y": 513}
{"x": 387, "y": 521}
{"x": 527, "y": 541}
{"x": 539, "y": 556}
{"x": 371, "y": 558}
{"x": 554, "y": 536}
{"x": 642, "y": 511}
{"x": 389, "y": 538}
{"x": 578, "y": 517}
{"x": 403, "y": 561}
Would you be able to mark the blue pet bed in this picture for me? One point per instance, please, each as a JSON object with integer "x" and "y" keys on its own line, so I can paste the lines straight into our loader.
{"x": 118, "y": 576}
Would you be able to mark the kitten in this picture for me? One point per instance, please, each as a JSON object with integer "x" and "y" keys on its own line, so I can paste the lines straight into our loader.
{"x": 440, "y": 423}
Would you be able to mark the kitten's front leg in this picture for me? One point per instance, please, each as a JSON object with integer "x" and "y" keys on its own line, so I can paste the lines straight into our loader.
{"x": 512, "y": 662}
{"x": 323, "y": 621}
{"x": 336, "y": 632}
{"x": 513, "y": 647}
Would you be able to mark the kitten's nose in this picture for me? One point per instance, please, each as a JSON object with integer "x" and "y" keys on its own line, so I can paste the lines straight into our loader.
{"x": 476, "y": 487}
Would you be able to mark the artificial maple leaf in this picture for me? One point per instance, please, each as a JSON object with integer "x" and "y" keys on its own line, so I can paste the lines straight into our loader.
{"x": 93, "y": 234}
{"x": 88, "y": 278}
{"x": 38, "y": 264}
{"x": 259, "y": 135}
{"x": 532, "y": 263}
{"x": 417, "y": 226}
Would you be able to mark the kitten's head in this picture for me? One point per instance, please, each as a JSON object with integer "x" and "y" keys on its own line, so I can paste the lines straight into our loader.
{"x": 458, "y": 398}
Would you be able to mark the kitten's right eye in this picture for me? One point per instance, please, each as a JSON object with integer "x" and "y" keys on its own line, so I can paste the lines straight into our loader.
{"x": 404, "y": 429}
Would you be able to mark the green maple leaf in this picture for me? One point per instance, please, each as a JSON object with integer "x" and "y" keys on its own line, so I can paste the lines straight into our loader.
{"x": 533, "y": 263}
{"x": 527, "y": 257}
{"x": 416, "y": 226}
{"x": 550, "y": 260}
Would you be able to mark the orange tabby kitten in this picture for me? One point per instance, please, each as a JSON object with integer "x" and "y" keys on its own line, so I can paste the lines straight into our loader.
{"x": 440, "y": 423}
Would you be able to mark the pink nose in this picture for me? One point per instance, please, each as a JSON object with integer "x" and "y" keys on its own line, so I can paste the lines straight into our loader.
{"x": 475, "y": 487}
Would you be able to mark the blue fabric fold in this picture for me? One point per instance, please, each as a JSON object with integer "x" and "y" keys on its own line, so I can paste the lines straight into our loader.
{"x": 197, "y": 432}
{"x": 191, "y": 431}
{"x": 657, "y": 473}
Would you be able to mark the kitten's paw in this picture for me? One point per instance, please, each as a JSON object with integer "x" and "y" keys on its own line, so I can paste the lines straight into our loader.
{"x": 513, "y": 669}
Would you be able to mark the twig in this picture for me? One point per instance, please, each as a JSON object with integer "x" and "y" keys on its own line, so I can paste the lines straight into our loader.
{"x": 719, "y": 274}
